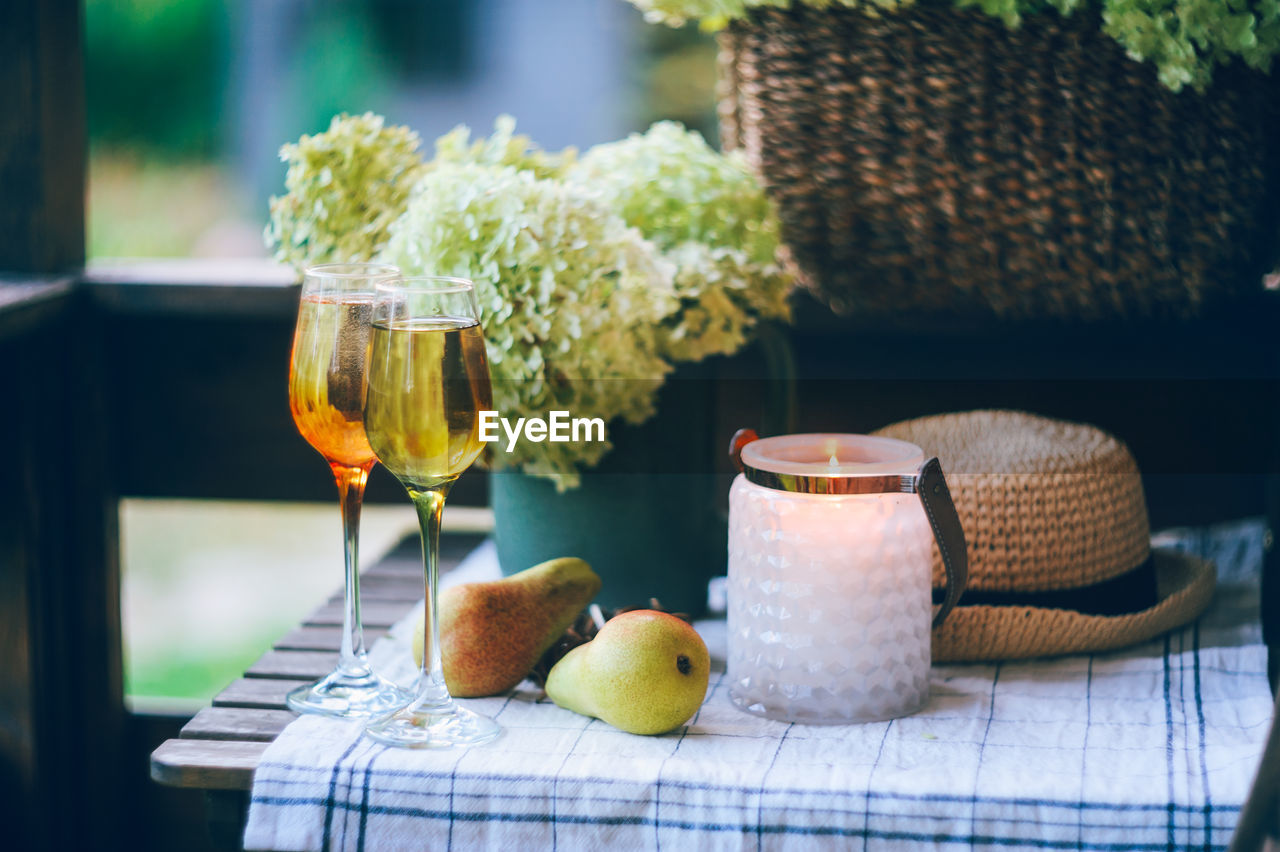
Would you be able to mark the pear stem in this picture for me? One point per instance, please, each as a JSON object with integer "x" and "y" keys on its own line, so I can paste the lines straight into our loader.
{"x": 431, "y": 691}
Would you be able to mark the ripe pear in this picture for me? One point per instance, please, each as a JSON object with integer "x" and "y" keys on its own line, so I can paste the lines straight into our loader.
{"x": 645, "y": 672}
{"x": 492, "y": 633}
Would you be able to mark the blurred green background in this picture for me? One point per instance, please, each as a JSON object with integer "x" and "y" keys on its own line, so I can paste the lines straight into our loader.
{"x": 183, "y": 139}
{"x": 155, "y": 80}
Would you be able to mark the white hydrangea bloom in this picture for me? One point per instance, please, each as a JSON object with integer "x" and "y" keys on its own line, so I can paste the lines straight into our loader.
{"x": 570, "y": 298}
{"x": 714, "y": 221}
{"x": 593, "y": 276}
{"x": 345, "y": 188}
{"x": 502, "y": 148}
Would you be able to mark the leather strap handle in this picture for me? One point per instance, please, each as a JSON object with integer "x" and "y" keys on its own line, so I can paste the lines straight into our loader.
{"x": 931, "y": 485}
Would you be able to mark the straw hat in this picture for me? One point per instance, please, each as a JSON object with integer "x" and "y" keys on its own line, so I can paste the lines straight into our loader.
{"x": 1059, "y": 550}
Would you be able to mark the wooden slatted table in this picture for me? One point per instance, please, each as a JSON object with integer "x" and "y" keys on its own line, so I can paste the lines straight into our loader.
{"x": 220, "y": 747}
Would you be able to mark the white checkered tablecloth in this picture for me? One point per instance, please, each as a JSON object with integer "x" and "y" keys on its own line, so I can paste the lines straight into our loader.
{"x": 1151, "y": 748}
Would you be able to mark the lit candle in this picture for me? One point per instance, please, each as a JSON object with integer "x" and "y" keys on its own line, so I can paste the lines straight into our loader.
{"x": 830, "y": 572}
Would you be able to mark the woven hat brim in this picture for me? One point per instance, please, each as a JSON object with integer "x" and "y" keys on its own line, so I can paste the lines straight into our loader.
{"x": 1184, "y": 585}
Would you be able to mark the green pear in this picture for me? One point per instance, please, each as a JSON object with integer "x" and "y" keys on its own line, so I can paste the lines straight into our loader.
{"x": 645, "y": 672}
{"x": 492, "y": 633}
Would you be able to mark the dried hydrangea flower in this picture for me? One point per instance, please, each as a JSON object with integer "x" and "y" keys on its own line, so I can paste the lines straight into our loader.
{"x": 713, "y": 220}
{"x": 570, "y": 298}
{"x": 593, "y": 276}
{"x": 345, "y": 188}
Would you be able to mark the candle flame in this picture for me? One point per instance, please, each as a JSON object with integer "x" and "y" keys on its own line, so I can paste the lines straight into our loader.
{"x": 832, "y": 447}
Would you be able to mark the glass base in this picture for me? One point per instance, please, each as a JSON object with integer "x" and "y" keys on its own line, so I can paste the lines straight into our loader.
{"x": 809, "y": 712}
{"x": 348, "y": 696}
{"x": 435, "y": 727}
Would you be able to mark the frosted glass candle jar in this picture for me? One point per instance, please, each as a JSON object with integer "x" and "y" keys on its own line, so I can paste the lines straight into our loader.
{"x": 830, "y": 570}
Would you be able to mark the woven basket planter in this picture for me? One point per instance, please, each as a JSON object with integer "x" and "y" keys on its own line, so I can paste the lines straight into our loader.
{"x": 934, "y": 160}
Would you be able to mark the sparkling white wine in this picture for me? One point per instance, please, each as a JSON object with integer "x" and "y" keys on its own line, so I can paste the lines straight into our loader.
{"x": 428, "y": 379}
{"x": 326, "y": 379}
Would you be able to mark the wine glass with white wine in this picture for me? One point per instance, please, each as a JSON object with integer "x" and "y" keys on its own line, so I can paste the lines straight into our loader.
{"x": 326, "y": 395}
{"x": 428, "y": 380}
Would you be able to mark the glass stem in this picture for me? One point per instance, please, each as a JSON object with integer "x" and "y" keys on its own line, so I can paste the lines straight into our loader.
{"x": 431, "y": 689}
{"x": 351, "y": 482}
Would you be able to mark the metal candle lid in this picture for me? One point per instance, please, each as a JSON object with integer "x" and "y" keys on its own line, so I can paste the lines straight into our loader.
{"x": 828, "y": 463}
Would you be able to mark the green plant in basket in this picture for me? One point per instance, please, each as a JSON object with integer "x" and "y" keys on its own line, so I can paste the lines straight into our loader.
{"x": 1185, "y": 39}
{"x": 595, "y": 274}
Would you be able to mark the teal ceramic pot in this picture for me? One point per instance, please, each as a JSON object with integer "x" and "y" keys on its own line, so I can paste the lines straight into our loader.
{"x": 646, "y": 535}
{"x": 645, "y": 518}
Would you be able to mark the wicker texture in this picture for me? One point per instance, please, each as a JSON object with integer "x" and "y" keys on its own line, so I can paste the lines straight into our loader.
{"x": 936, "y": 160}
{"x": 1044, "y": 504}
{"x": 1047, "y": 505}
{"x": 974, "y": 633}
